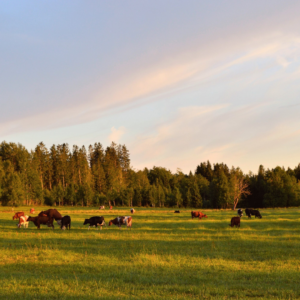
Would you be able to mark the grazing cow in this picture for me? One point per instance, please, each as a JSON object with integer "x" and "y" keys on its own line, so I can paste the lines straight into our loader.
{"x": 102, "y": 207}
{"x": 132, "y": 210}
{"x": 23, "y": 222}
{"x": 110, "y": 207}
{"x": 95, "y": 221}
{"x": 119, "y": 221}
{"x": 52, "y": 213}
{"x": 40, "y": 220}
{"x": 253, "y": 212}
{"x": 177, "y": 211}
{"x": 198, "y": 214}
{"x": 235, "y": 221}
{"x": 65, "y": 223}
{"x": 32, "y": 210}
{"x": 18, "y": 215}
{"x": 240, "y": 212}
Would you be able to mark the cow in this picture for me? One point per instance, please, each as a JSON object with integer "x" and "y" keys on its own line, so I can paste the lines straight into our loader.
{"x": 32, "y": 210}
{"x": 52, "y": 213}
{"x": 235, "y": 221}
{"x": 132, "y": 210}
{"x": 23, "y": 221}
{"x": 198, "y": 214}
{"x": 41, "y": 220}
{"x": 119, "y": 221}
{"x": 176, "y": 211}
{"x": 95, "y": 221}
{"x": 110, "y": 207}
{"x": 65, "y": 223}
{"x": 102, "y": 207}
{"x": 240, "y": 212}
{"x": 253, "y": 212}
{"x": 18, "y": 215}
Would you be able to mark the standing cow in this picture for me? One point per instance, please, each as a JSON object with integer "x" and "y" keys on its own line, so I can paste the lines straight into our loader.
{"x": 65, "y": 223}
{"x": 119, "y": 221}
{"x": 253, "y": 212}
{"x": 52, "y": 213}
{"x": 18, "y": 215}
{"x": 23, "y": 221}
{"x": 95, "y": 221}
{"x": 41, "y": 220}
{"x": 235, "y": 221}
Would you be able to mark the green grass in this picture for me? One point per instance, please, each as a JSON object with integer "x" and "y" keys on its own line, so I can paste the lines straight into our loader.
{"x": 164, "y": 256}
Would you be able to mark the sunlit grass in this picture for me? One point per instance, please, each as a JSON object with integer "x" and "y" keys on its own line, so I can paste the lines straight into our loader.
{"x": 164, "y": 256}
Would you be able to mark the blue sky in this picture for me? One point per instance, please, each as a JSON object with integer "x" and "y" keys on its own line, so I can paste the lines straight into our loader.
{"x": 177, "y": 82}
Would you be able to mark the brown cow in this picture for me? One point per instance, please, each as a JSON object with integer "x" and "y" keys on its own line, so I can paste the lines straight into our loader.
{"x": 235, "y": 221}
{"x": 40, "y": 220}
{"x": 53, "y": 214}
{"x": 18, "y": 215}
{"x": 119, "y": 221}
{"x": 198, "y": 214}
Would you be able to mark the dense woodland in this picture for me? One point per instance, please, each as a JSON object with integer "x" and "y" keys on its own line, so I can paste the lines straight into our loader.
{"x": 98, "y": 176}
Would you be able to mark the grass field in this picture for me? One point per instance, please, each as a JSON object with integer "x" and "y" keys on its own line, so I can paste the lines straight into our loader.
{"x": 164, "y": 256}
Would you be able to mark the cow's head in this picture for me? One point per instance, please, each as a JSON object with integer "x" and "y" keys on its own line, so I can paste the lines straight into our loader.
{"x": 30, "y": 219}
{"x": 58, "y": 222}
{"x": 110, "y": 223}
{"x": 63, "y": 228}
{"x": 205, "y": 216}
{"x": 86, "y": 221}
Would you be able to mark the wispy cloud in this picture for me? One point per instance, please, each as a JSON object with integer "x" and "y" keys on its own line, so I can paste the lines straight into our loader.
{"x": 116, "y": 134}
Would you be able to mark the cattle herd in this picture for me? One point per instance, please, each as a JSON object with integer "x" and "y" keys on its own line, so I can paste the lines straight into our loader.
{"x": 235, "y": 221}
{"x": 47, "y": 217}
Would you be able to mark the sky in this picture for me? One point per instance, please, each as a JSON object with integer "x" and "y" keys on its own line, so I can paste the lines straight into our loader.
{"x": 177, "y": 82}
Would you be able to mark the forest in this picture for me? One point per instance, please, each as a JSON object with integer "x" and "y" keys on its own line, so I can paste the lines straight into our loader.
{"x": 96, "y": 176}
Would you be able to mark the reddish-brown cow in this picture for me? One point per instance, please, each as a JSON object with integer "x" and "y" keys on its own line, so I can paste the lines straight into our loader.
{"x": 40, "y": 220}
{"x": 51, "y": 213}
{"x": 198, "y": 214}
{"x": 235, "y": 221}
{"x": 18, "y": 215}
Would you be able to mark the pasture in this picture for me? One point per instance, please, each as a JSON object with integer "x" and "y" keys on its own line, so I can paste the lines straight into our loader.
{"x": 164, "y": 256}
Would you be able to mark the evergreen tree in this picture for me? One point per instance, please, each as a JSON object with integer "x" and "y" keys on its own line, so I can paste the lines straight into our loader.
{"x": 220, "y": 192}
{"x": 187, "y": 200}
{"x": 196, "y": 199}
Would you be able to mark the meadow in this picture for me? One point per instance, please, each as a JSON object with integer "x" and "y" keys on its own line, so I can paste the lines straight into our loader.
{"x": 164, "y": 256}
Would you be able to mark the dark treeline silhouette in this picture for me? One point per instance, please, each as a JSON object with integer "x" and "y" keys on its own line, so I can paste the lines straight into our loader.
{"x": 98, "y": 176}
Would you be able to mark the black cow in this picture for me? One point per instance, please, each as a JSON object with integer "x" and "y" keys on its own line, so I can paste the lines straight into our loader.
{"x": 65, "y": 223}
{"x": 95, "y": 221}
{"x": 240, "y": 212}
{"x": 177, "y": 211}
{"x": 253, "y": 212}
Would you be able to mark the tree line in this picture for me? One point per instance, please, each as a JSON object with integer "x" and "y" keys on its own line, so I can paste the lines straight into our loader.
{"x": 98, "y": 176}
